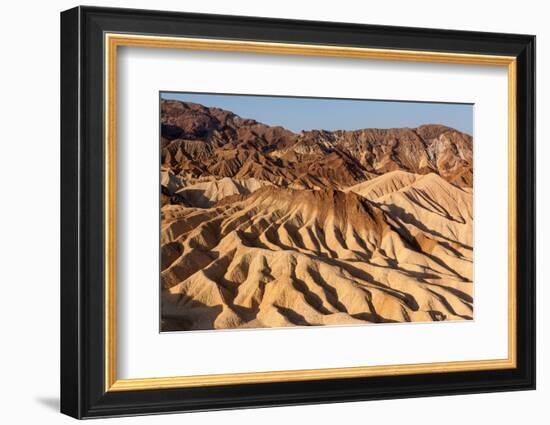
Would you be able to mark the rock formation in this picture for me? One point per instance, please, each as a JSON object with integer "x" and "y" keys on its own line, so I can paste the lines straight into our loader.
{"x": 263, "y": 227}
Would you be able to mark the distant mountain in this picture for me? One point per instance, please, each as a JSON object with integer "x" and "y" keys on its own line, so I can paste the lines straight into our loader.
{"x": 201, "y": 141}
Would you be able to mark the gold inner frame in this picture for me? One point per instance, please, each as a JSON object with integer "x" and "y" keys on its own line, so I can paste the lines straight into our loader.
{"x": 113, "y": 41}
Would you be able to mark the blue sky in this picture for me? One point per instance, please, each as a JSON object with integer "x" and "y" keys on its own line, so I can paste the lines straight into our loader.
{"x": 298, "y": 114}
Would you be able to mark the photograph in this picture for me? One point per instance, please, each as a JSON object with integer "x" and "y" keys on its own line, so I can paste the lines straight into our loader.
{"x": 279, "y": 211}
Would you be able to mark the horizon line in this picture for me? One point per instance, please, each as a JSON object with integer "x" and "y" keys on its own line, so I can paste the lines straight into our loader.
{"x": 363, "y": 103}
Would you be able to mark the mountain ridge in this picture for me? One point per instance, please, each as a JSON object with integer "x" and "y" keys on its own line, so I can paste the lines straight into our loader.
{"x": 200, "y": 141}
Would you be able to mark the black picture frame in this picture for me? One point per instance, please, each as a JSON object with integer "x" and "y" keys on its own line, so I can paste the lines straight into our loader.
{"x": 83, "y": 392}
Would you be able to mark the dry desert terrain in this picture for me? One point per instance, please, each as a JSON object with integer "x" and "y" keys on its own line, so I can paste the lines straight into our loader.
{"x": 263, "y": 227}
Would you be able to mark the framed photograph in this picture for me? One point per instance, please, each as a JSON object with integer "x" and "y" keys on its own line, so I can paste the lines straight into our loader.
{"x": 261, "y": 212}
